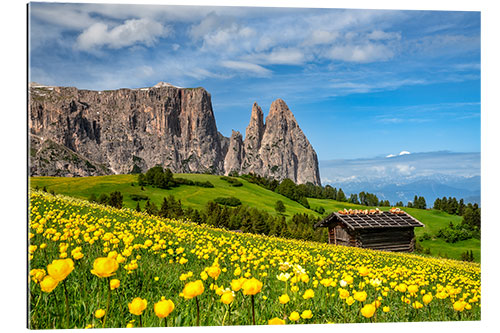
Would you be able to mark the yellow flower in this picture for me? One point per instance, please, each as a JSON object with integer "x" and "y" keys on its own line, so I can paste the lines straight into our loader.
{"x": 459, "y": 305}
{"x": 294, "y": 316}
{"x": 104, "y": 267}
{"x": 417, "y": 305}
{"x": 386, "y": 309}
{"x": 360, "y": 296}
{"x": 401, "y": 287}
{"x": 99, "y": 313}
{"x": 213, "y": 272}
{"x": 413, "y": 289}
{"x": 37, "y": 274}
{"x": 284, "y": 299}
{"x": 48, "y": 284}
{"x": 363, "y": 271}
{"x": 349, "y": 300}
{"x": 137, "y": 306}
{"x": 306, "y": 314}
{"x": 375, "y": 282}
{"x": 236, "y": 284}
{"x": 276, "y": 321}
{"x": 113, "y": 255}
{"x": 251, "y": 287}
{"x": 427, "y": 298}
{"x": 182, "y": 261}
{"x": 114, "y": 283}
{"x": 343, "y": 293}
{"x": 283, "y": 277}
{"x": 163, "y": 308}
{"x": 349, "y": 279}
{"x": 59, "y": 269}
{"x": 193, "y": 289}
{"x": 368, "y": 310}
{"x": 32, "y": 248}
{"x": 227, "y": 297}
{"x": 309, "y": 293}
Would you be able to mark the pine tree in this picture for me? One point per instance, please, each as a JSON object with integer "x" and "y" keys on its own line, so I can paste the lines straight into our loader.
{"x": 280, "y": 207}
{"x": 341, "y": 196}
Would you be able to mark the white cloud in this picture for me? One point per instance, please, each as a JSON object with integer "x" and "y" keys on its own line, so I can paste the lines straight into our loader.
{"x": 382, "y": 35}
{"x": 363, "y": 53}
{"x": 318, "y": 37}
{"x": 246, "y": 67}
{"x": 279, "y": 56}
{"x": 131, "y": 32}
{"x": 405, "y": 169}
{"x": 404, "y": 152}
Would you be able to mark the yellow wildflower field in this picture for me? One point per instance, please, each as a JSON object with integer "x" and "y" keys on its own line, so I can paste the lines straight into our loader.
{"x": 96, "y": 266}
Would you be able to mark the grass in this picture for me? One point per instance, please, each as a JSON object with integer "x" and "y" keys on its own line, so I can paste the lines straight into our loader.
{"x": 251, "y": 195}
{"x": 191, "y": 196}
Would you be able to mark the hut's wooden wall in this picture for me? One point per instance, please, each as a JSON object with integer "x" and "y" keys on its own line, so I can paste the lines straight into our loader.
{"x": 386, "y": 239}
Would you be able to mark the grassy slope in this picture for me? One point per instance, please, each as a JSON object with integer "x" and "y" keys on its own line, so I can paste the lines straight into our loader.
{"x": 251, "y": 195}
{"x": 192, "y": 196}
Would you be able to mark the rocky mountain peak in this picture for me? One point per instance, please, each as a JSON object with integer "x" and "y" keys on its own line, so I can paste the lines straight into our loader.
{"x": 119, "y": 131}
{"x": 279, "y": 109}
{"x": 162, "y": 84}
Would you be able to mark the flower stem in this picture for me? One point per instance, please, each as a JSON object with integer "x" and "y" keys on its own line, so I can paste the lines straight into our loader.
{"x": 165, "y": 322}
{"x": 67, "y": 303}
{"x": 197, "y": 311}
{"x": 107, "y": 305}
{"x": 226, "y": 314}
{"x": 253, "y": 310}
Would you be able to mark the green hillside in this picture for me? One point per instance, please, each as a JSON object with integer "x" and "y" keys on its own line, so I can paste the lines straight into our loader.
{"x": 192, "y": 196}
{"x": 249, "y": 194}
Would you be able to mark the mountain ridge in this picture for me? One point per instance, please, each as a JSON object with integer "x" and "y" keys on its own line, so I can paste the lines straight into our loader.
{"x": 129, "y": 130}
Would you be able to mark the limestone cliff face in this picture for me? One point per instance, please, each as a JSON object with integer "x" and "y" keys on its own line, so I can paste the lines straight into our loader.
{"x": 83, "y": 132}
{"x": 284, "y": 150}
{"x": 235, "y": 153}
{"x": 253, "y": 137}
{"x": 121, "y": 128}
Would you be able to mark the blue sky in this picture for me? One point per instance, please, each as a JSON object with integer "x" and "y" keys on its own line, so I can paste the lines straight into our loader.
{"x": 361, "y": 83}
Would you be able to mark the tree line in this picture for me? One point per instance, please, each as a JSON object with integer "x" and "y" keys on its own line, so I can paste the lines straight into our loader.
{"x": 242, "y": 217}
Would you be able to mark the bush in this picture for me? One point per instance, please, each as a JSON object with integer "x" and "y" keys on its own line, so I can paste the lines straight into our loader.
{"x": 453, "y": 234}
{"x": 319, "y": 210}
{"x": 139, "y": 197}
{"x": 425, "y": 237}
{"x": 116, "y": 199}
{"x": 280, "y": 207}
{"x": 228, "y": 201}
{"x": 206, "y": 184}
{"x": 467, "y": 256}
{"x": 183, "y": 181}
{"x": 233, "y": 181}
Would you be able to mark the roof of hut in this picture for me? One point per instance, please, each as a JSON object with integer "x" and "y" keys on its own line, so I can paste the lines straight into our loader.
{"x": 369, "y": 219}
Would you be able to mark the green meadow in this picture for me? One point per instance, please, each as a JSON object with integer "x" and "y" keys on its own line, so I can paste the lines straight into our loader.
{"x": 250, "y": 194}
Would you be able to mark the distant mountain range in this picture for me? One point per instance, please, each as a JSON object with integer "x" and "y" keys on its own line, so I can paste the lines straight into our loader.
{"x": 401, "y": 177}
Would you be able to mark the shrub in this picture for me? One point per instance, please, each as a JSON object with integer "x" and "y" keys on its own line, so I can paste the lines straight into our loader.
{"x": 228, "y": 201}
{"x": 233, "y": 181}
{"x": 139, "y": 197}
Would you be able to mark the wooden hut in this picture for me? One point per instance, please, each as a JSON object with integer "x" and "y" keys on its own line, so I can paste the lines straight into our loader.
{"x": 388, "y": 231}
